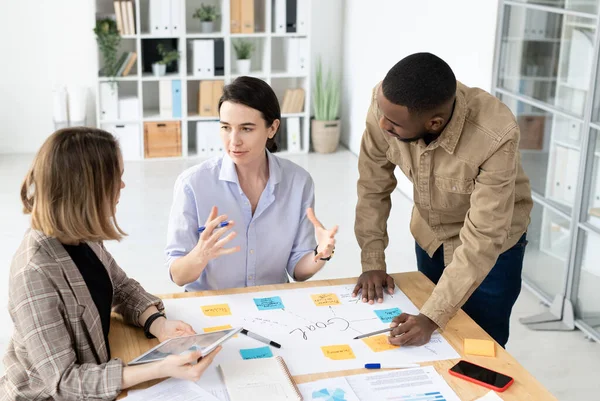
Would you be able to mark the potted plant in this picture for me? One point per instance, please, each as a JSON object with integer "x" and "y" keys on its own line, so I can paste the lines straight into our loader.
{"x": 108, "y": 39}
{"x": 326, "y": 127}
{"x": 167, "y": 57}
{"x": 243, "y": 50}
{"x": 207, "y": 14}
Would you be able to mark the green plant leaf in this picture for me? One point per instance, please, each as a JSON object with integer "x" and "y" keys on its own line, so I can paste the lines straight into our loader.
{"x": 243, "y": 49}
{"x": 326, "y": 98}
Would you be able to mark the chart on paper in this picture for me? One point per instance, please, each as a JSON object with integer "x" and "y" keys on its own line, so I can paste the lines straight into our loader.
{"x": 315, "y": 327}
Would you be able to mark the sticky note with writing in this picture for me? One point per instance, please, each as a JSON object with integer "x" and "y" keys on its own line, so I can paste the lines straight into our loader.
{"x": 325, "y": 299}
{"x": 387, "y": 315}
{"x": 379, "y": 343}
{"x": 216, "y": 310}
{"x": 256, "y": 353}
{"x": 338, "y": 352}
{"x": 268, "y": 303}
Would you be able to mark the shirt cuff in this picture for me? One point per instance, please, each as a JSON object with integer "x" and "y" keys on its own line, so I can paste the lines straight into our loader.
{"x": 374, "y": 260}
{"x": 114, "y": 377}
{"x": 438, "y": 310}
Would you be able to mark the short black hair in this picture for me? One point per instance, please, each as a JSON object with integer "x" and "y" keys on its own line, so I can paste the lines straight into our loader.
{"x": 421, "y": 82}
{"x": 256, "y": 94}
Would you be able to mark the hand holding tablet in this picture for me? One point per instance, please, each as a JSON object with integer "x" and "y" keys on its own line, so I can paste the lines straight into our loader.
{"x": 203, "y": 344}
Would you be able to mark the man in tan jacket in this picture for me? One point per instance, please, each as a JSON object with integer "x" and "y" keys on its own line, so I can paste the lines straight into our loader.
{"x": 459, "y": 147}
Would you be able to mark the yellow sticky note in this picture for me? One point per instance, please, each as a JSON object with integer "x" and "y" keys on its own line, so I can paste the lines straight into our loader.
{"x": 325, "y": 299}
{"x": 217, "y": 328}
{"x": 216, "y": 310}
{"x": 379, "y": 343}
{"x": 338, "y": 352}
{"x": 479, "y": 347}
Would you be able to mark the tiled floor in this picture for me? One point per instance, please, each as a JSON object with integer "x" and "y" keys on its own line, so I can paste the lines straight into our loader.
{"x": 566, "y": 363}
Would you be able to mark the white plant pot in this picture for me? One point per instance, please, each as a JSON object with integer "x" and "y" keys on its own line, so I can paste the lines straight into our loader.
{"x": 206, "y": 26}
{"x": 243, "y": 67}
{"x": 159, "y": 70}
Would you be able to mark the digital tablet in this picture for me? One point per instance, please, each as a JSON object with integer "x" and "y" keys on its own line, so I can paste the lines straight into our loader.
{"x": 205, "y": 342}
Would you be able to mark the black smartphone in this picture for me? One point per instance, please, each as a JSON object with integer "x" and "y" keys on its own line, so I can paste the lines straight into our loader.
{"x": 482, "y": 376}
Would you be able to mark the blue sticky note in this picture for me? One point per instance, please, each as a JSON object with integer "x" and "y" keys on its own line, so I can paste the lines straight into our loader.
{"x": 387, "y": 315}
{"x": 256, "y": 353}
{"x": 268, "y": 303}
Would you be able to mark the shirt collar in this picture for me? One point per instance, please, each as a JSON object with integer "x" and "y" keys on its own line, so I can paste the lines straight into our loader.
{"x": 451, "y": 133}
{"x": 228, "y": 172}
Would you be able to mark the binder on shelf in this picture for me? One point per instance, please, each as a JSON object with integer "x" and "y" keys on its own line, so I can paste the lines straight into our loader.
{"x": 291, "y": 15}
{"x": 119, "y": 17}
{"x": 131, "y": 17}
{"x": 165, "y": 17}
{"x": 160, "y": 17}
{"x": 176, "y": 12}
{"x": 279, "y": 22}
{"x": 129, "y": 108}
{"x": 217, "y": 92}
{"x": 302, "y": 16}
{"x": 203, "y": 58}
{"x": 59, "y": 106}
{"x": 219, "y": 57}
{"x": 236, "y": 16}
{"x": 208, "y": 140}
{"x": 559, "y": 169}
{"x": 571, "y": 175}
{"x": 293, "y": 134}
{"x": 205, "y": 96}
{"x": 285, "y": 105}
{"x": 165, "y": 99}
{"x": 109, "y": 101}
{"x": 125, "y": 15}
{"x": 129, "y": 139}
{"x": 297, "y": 56}
{"x": 176, "y": 94}
{"x": 247, "y": 16}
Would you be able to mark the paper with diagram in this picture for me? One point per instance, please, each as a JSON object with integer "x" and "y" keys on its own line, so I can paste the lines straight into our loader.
{"x": 315, "y": 327}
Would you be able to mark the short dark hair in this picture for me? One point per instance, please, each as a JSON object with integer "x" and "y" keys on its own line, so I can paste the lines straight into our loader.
{"x": 421, "y": 82}
{"x": 256, "y": 94}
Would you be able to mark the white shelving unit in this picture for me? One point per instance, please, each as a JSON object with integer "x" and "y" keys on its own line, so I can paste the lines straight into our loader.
{"x": 144, "y": 85}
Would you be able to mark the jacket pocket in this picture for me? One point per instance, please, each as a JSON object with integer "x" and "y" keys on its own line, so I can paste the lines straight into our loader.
{"x": 452, "y": 192}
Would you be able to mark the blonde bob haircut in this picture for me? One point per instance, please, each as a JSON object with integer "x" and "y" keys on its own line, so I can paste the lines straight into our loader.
{"x": 72, "y": 187}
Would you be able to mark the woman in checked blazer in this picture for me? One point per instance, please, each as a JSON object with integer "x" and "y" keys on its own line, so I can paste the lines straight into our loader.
{"x": 64, "y": 283}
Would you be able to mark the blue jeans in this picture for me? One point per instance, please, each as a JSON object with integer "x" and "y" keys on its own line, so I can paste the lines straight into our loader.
{"x": 491, "y": 303}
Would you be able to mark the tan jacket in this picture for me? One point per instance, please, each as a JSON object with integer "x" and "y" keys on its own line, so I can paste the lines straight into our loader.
{"x": 57, "y": 350}
{"x": 470, "y": 192}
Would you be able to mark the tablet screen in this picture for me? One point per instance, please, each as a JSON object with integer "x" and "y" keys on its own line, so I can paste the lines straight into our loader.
{"x": 204, "y": 342}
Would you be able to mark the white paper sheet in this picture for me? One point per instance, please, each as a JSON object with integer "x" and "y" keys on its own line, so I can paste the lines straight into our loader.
{"x": 293, "y": 319}
{"x": 491, "y": 396}
{"x": 423, "y": 384}
{"x": 171, "y": 390}
{"x": 335, "y": 389}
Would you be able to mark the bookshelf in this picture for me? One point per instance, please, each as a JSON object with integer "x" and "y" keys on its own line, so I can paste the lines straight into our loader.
{"x": 268, "y": 63}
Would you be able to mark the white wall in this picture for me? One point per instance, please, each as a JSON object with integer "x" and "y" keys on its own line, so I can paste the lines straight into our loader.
{"x": 44, "y": 44}
{"x": 326, "y": 36}
{"x": 379, "y": 33}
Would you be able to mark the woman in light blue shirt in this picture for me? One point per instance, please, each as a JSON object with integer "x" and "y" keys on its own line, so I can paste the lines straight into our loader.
{"x": 266, "y": 203}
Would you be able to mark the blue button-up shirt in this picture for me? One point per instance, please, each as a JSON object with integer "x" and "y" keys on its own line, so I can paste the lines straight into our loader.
{"x": 272, "y": 240}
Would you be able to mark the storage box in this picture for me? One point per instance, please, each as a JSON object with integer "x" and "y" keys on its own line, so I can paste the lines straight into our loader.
{"x": 129, "y": 139}
{"x": 532, "y": 132}
{"x": 162, "y": 139}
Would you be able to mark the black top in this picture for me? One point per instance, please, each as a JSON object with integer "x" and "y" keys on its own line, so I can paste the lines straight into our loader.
{"x": 97, "y": 280}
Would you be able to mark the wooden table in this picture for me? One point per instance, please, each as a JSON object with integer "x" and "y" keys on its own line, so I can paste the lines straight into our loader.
{"x": 127, "y": 342}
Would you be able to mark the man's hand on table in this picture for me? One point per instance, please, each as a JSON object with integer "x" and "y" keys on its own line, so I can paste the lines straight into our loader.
{"x": 411, "y": 329}
{"x": 371, "y": 285}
